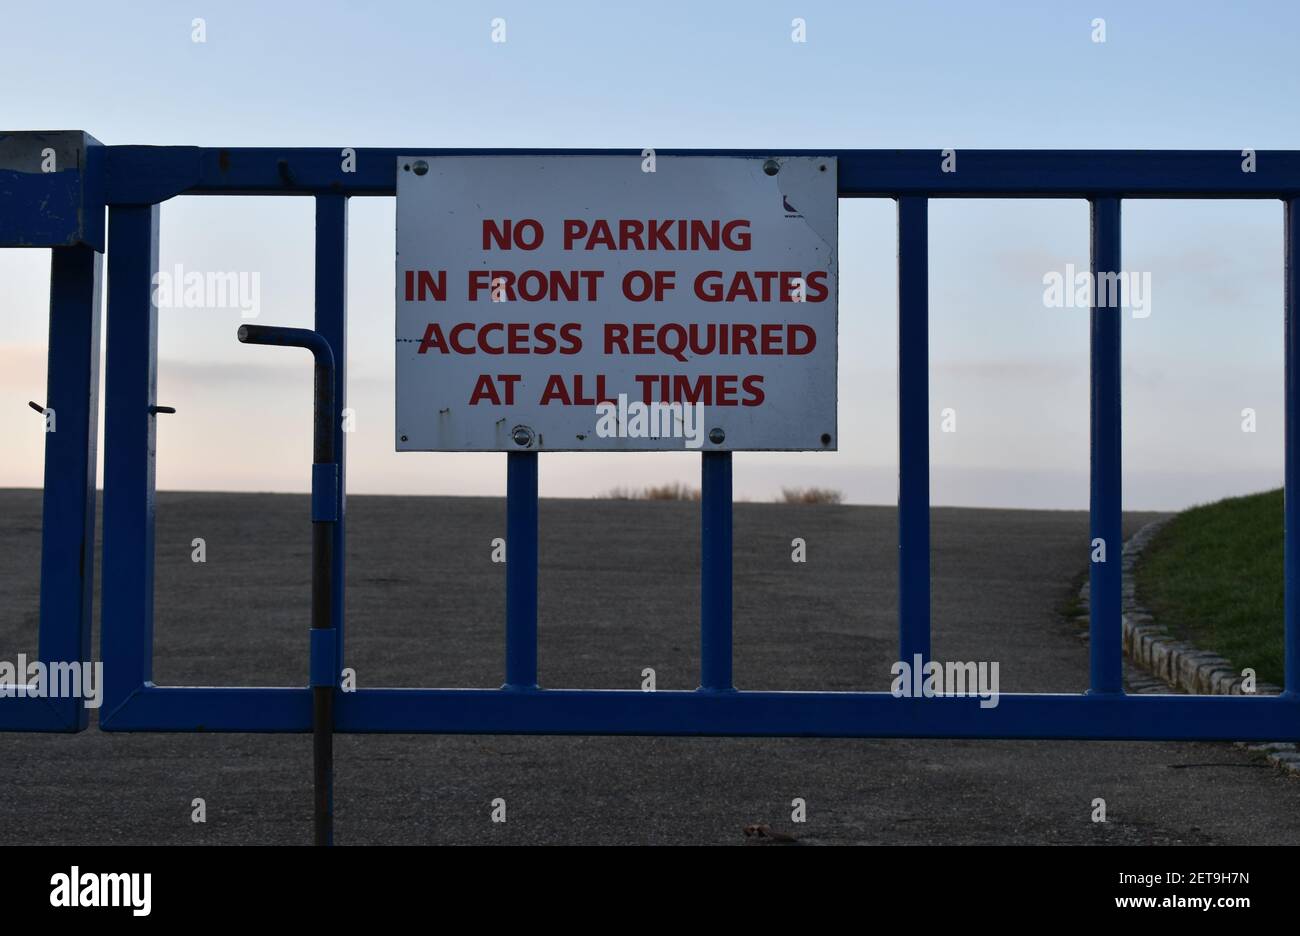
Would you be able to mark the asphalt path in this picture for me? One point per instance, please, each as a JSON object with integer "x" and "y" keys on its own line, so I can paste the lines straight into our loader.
{"x": 619, "y": 592}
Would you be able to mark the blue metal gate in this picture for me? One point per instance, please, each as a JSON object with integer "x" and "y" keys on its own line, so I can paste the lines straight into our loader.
{"x": 64, "y": 210}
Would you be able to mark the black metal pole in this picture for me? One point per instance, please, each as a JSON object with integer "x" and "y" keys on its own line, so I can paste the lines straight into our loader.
{"x": 325, "y": 480}
{"x": 322, "y": 612}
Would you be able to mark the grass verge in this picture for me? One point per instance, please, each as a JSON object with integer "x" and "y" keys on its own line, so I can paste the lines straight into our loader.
{"x": 1213, "y": 576}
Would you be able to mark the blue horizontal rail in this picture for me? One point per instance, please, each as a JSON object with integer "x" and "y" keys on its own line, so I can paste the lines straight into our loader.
{"x": 150, "y": 174}
{"x": 706, "y": 712}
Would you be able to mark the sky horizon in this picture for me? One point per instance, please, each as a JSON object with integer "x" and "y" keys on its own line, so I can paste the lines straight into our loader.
{"x": 923, "y": 75}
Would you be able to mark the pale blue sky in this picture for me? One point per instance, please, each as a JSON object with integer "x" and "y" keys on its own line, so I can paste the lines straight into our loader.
{"x": 899, "y": 74}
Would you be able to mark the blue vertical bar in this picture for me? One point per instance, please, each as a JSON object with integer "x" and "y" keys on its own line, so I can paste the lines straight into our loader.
{"x": 130, "y": 390}
{"x": 332, "y": 325}
{"x": 913, "y": 429}
{"x": 1291, "y": 549}
{"x": 1105, "y": 577}
{"x": 521, "y": 570}
{"x": 68, "y": 528}
{"x": 715, "y": 572}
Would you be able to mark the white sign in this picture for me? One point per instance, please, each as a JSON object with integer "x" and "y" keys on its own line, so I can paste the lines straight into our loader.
{"x": 598, "y": 303}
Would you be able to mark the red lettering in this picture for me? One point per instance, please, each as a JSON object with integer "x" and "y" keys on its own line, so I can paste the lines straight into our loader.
{"x": 512, "y": 234}
{"x": 615, "y": 334}
{"x": 555, "y": 390}
{"x": 482, "y": 337}
{"x": 455, "y": 338}
{"x": 569, "y": 333}
{"x": 432, "y": 339}
{"x": 484, "y": 388}
{"x": 817, "y": 279}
